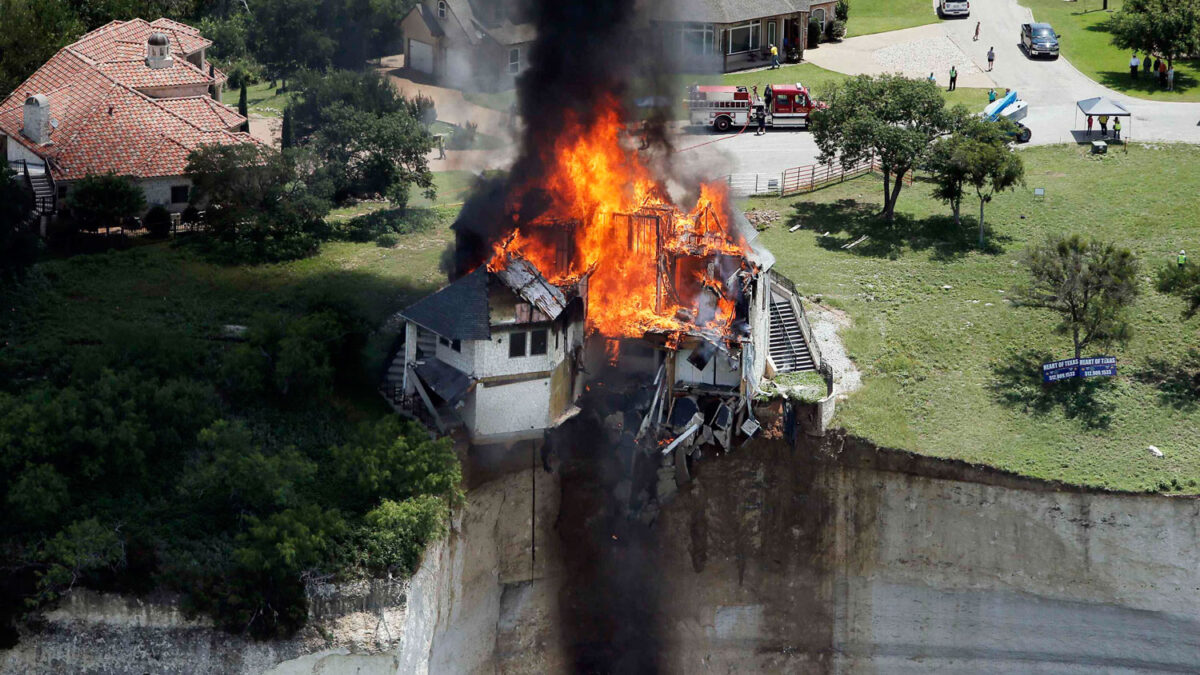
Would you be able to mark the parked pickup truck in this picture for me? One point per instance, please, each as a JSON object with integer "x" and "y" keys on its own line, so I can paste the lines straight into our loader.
{"x": 1039, "y": 38}
{"x": 954, "y": 8}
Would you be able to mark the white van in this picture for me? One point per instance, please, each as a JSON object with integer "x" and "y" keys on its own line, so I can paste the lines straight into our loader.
{"x": 954, "y": 8}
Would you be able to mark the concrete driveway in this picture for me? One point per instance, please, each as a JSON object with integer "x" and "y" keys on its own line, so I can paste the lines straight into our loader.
{"x": 1051, "y": 87}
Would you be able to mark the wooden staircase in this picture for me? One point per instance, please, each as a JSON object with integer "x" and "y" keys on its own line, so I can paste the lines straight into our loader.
{"x": 789, "y": 351}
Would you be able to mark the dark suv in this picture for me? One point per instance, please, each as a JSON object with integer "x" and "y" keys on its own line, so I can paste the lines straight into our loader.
{"x": 1039, "y": 38}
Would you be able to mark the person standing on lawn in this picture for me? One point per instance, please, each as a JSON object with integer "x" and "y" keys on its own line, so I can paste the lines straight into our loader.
{"x": 953, "y": 78}
{"x": 991, "y": 58}
{"x": 991, "y": 95}
{"x": 1148, "y": 63}
{"x": 1104, "y": 126}
{"x": 1171, "y": 78}
{"x": 1134, "y": 64}
{"x": 1117, "y": 128}
{"x": 1089, "y": 126}
{"x": 1182, "y": 259}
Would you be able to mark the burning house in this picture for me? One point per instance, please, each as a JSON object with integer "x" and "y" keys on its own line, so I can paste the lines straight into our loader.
{"x": 592, "y": 265}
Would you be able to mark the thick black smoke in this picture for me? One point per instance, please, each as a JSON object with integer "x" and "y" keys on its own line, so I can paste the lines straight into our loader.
{"x": 587, "y": 52}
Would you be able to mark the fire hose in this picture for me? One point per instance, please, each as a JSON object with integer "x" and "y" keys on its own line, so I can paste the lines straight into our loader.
{"x": 715, "y": 140}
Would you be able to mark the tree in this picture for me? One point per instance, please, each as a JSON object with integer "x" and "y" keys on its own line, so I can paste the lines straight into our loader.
{"x": 288, "y": 35}
{"x": 262, "y": 204}
{"x": 842, "y": 10}
{"x": 33, "y": 30}
{"x": 158, "y": 221}
{"x": 1183, "y": 281}
{"x": 1089, "y": 283}
{"x": 1170, "y": 28}
{"x": 18, "y": 245}
{"x": 243, "y": 107}
{"x": 888, "y": 117}
{"x": 317, "y": 93}
{"x": 104, "y": 200}
{"x": 368, "y": 153}
{"x": 287, "y": 137}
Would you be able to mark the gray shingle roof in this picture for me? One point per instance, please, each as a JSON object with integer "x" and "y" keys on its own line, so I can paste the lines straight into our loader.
{"x": 458, "y": 311}
{"x": 724, "y": 11}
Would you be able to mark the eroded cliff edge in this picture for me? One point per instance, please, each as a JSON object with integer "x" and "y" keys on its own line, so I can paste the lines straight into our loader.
{"x": 833, "y": 557}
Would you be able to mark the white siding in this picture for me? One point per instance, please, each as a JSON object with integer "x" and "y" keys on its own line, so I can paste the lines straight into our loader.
{"x": 760, "y": 326}
{"x": 720, "y": 371}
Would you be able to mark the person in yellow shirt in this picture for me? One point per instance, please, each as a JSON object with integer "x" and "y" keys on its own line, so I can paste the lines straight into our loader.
{"x": 774, "y": 56}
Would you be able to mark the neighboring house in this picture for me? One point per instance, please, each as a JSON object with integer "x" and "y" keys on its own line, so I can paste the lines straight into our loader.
{"x": 132, "y": 98}
{"x": 728, "y": 35}
{"x": 468, "y": 44}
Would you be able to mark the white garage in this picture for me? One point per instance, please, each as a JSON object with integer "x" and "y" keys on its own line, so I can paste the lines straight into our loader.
{"x": 420, "y": 56}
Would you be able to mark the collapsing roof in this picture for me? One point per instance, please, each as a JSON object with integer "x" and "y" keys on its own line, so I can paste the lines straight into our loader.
{"x": 446, "y": 381}
{"x": 526, "y": 281}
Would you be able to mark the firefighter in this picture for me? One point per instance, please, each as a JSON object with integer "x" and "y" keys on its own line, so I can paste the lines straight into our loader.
{"x": 761, "y": 115}
{"x": 1182, "y": 259}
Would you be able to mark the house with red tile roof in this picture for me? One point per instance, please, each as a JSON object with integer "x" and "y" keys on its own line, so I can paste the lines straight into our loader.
{"x": 132, "y": 98}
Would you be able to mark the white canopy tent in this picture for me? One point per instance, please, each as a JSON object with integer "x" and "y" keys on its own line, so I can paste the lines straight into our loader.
{"x": 1102, "y": 105}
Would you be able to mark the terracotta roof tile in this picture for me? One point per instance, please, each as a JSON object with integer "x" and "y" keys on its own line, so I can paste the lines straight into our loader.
{"x": 102, "y": 123}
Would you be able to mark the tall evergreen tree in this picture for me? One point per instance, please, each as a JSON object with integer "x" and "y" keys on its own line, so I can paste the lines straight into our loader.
{"x": 244, "y": 107}
{"x": 286, "y": 135}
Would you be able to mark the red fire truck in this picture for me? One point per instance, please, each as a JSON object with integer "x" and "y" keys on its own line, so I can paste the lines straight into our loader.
{"x": 726, "y": 107}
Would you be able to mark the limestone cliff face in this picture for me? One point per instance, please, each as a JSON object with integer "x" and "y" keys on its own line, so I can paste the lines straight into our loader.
{"x": 835, "y": 558}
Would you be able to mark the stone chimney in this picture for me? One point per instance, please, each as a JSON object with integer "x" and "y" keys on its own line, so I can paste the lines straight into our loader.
{"x": 37, "y": 119}
{"x": 158, "y": 51}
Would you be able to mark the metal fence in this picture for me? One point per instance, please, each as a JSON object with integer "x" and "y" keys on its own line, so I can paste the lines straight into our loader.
{"x": 800, "y": 179}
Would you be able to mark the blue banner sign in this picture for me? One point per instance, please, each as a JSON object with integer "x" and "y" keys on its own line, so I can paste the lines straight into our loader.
{"x": 1093, "y": 366}
{"x": 1098, "y": 366}
{"x": 1059, "y": 370}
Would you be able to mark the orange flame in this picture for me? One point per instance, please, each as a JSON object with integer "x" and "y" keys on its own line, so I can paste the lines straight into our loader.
{"x": 625, "y": 229}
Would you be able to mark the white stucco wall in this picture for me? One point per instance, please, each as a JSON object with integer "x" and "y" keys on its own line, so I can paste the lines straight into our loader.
{"x": 17, "y": 151}
{"x": 178, "y": 91}
{"x": 158, "y": 191}
{"x": 463, "y": 360}
{"x": 509, "y": 408}
{"x": 491, "y": 358}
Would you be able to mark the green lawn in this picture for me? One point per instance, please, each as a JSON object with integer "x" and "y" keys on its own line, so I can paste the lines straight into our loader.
{"x": 452, "y": 188}
{"x": 880, "y": 16}
{"x": 498, "y": 100}
{"x": 1085, "y": 42}
{"x": 954, "y": 373}
{"x": 261, "y": 99}
{"x": 482, "y": 141}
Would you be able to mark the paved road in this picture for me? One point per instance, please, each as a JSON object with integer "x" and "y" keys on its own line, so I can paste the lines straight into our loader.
{"x": 1051, "y": 87}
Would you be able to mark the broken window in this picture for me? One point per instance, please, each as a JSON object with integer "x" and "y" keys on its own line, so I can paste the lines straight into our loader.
{"x": 516, "y": 345}
{"x": 537, "y": 341}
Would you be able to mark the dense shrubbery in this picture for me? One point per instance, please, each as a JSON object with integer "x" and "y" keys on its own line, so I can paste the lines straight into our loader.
{"x": 217, "y": 469}
{"x": 157, "y": 221}
{"x": 18, "y": 245}
{"x": 104, "y": 200}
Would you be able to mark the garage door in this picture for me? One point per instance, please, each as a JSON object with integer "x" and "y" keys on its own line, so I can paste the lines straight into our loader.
{"x": 420, "y": 56}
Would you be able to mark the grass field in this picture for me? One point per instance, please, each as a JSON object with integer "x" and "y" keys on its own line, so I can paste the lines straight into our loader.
{"x": 955, "y": 373}
{"x": 880, "y": 16}
{"x": 1088, "y": 46}
{"x": 498, "y": 100}
{"x": 88, "y": 297}
{"x": 261, "y": 99}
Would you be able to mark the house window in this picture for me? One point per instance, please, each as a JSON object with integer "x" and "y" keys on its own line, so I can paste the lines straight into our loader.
{"x": 537, "y": 341}
{"x": 744, "y": 37}
{"x": 818, "y": 15}
{"x": 693, "y": 39}
{"x": 456, "y": 345}
{"x": 443, "y": 341}
{"x": 771, "y": 33}
{"x": 516, "y": 345}
{"x": 441, "y": 9}
{"x": 514, "y": 60}
{"x": 179, "y": 194}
